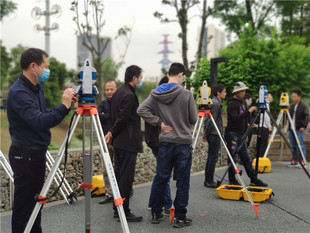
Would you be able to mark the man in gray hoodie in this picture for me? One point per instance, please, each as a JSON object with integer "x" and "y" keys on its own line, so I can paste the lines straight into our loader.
{"x": 173, "y": 108}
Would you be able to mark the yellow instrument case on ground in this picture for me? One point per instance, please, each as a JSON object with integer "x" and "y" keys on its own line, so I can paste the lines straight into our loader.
{"x": 264, "y": 165}
{"x": 98, "y": 184}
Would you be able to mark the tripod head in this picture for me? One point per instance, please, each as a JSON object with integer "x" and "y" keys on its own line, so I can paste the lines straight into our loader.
{"x": 284, "y": 100}
{"x": 262, "y": 97}
{"x": 204, "y": 96}
{"x": 86, "y": 90}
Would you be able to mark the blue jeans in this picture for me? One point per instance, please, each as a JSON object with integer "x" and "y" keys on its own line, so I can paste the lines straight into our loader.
{"x": 233, "y": 141}
{"x": 178, "y": 156}
{"x": 214, "y": 143}
{"x": 167, "y": 198}
{"x": 301, "y": 138}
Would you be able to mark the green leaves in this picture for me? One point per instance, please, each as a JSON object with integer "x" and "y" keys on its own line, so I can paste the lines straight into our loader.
{"x": 6, "y": 7}
{"x": 282, "y": 67}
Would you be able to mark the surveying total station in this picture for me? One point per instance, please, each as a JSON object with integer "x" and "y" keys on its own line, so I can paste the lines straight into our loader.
{"x": 86, "y": 108}
{"x": 204, "y": 103}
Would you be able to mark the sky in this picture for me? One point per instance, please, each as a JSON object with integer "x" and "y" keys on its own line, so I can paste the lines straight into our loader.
{"x": 18, "y": 28}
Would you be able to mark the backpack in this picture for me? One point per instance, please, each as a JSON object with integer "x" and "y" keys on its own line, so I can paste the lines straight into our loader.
{"x": 151, "y": 136}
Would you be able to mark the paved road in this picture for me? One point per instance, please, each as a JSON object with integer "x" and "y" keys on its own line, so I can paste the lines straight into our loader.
{"x": 287, "y": 211}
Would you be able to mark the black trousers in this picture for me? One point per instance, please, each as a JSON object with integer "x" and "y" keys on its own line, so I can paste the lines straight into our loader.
{"x": 125, "y": 164}
{"x": 262, "y": 142}
{"x": 29, "y": 169}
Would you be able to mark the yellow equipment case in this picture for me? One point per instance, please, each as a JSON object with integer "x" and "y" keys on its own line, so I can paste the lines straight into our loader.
{"x": 258, "y": 194}
{"x": 264, "y": 165}
{"x": 98, "y": 186}
{"x": 230, "y": 192}
{"x": 235, "y": 192}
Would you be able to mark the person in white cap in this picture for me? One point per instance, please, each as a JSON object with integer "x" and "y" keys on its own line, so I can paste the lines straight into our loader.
{"x": 237, "y": 123}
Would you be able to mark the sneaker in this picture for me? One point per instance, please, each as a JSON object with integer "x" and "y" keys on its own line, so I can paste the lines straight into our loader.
{"x": 210, "y": 185}
{"x": 179, "y": 223}
{"x": 166, "y": 211}
{"x": 156, "y": 218}
{"x": 106, "y": 199}
{"x": 132, "y": 218}
{"x": 258, "y": 182}
{"x": 234, "y": 182}
{"x": 293, "y": 163}
{"x": 149, "y": 208}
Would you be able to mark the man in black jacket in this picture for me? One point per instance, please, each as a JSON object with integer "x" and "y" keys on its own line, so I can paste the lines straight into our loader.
{"x": 237, "y": 123}
{"x": 104, "y": 109}
{"x": 299, "y": 113}
{"x": 125, "y": 133}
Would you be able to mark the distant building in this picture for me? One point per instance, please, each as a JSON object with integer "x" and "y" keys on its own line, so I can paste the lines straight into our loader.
{"x": 214, "y": 39}
{"x": 83, "y": 53}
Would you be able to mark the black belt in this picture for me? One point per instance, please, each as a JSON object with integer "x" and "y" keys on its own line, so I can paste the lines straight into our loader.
{"x": 28, "y": 147}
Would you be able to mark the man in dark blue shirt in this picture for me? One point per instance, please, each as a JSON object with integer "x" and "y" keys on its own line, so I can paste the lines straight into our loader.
{"x": 29, "y": 125}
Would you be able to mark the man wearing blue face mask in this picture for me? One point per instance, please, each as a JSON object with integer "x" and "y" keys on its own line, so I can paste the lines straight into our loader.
{"x": 29, "y": 125}
{"x": 125, "y": 133}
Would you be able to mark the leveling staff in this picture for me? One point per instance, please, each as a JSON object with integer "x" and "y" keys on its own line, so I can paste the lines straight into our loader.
{"x": 29, "y": 125}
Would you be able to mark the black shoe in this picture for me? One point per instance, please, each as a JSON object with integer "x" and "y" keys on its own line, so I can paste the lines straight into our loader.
{"x": 258, "y": 182}
{"x": 234, "y": 182}
{"x": 210, "y": 185}
{"x": 179, "y": 223}
{"x": 132, "y": 218}
{"x": 115, "y": 215}
{"x": 106, "y": 199}
{"x": 156, "y": 218}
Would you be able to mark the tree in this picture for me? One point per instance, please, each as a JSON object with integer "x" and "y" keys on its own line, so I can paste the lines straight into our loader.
{"x": 55, "y": 83}
{"x": 295, "y": 20}
{"x": 182, "y": 8}
{"x": 109, "y": 69}
{"x": 206, "y": 12}
{"x": 5, "y": 61}
{"x": 6, "y": 7}
{"x": 235, "y": 14}
{"x": 99, "y": 45}
{"x": 15, "y": 68}
{"x": 259, "y": 61}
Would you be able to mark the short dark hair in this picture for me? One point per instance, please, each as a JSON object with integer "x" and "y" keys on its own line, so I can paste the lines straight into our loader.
{"x": 112, "y": 81}
{"x": 217, "y": 88}
{"x": 163, "y": 80}
{"x": 175, "y": 69}
{"x": 132, "y": 71}
{"x": 297, "y": 91}
{"x": 32, "y": 55}
{"x": 247, "y": 96}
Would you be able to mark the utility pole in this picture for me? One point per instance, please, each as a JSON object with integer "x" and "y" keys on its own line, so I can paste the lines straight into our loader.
{"x": 37, "y": 13}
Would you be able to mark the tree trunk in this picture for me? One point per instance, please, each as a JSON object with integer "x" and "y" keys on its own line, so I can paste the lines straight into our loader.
{"x": 202, "y": 31}
{"x": 183, "y": 23}
{"x": 301, "y": 27}
{"x": 249, "y": 12}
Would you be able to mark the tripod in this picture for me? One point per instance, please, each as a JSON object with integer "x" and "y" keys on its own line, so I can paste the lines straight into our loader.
{"x": 65, "y": 188}
{"x": 6, "y": 166}
{"x": 202, "y": 115}
{"x": 262, "y": 110}
{"x": 91, "y": 111}
{"x": 284, "y": 112}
